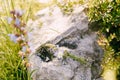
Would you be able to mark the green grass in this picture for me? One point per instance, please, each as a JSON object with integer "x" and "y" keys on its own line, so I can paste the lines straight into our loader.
{"x": 104, "y": 15}
{"x": 11, "y": 67}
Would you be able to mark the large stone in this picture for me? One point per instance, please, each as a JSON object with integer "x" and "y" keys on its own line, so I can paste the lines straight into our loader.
{"x": 59, "y": 33}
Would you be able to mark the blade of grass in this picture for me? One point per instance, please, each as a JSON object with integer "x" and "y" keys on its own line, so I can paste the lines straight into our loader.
{"x": 12, "y": 5}
{"x": 28, "y": 11}
{"x": 6, "y": 7}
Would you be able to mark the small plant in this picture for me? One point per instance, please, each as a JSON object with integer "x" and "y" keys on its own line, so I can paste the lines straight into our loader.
{"x": 68, "y": 6}
{"x": 79, "y": 59}
{"x": 18, "y": 71}
{"x": 14, "y": 47}
{"x": 106, "y": 14}
{"x": 20, "y": 36}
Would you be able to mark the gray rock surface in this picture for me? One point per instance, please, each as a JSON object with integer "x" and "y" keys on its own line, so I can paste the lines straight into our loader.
{"x": 66, "y": 33}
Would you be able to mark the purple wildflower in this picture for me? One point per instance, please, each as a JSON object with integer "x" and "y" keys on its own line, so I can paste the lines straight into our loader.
{"x": 9, "y": 20}
{"x": 17, "y": 22}
{"x": 19, "y": 13}
{"x": 21, "y": 38}
{"x": 24, "y": 48}
{"x": 13, "y": 37}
